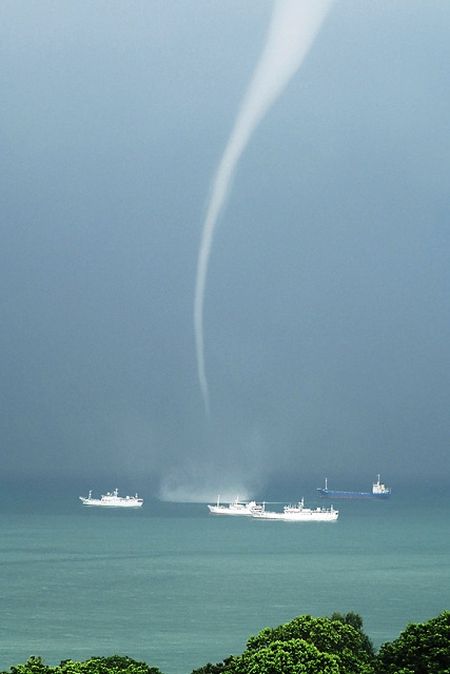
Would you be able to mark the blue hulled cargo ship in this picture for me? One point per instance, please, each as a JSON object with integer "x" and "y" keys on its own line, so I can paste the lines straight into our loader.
{"x": 379, "y": 491}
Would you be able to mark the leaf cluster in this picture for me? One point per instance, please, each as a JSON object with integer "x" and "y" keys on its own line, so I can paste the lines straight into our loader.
{"x": 305, "y": 645}
{"x": 114, "y": 664}
{"x": 422, "y": 648}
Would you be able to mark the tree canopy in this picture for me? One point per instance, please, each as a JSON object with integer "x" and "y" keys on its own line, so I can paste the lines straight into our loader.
{"x": 422, "y": 648}
{"x": 305, "y": 645}
{"x": 114, "y": 664}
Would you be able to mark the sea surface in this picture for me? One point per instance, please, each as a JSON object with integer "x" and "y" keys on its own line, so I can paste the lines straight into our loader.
{"x": 177, "y": 587}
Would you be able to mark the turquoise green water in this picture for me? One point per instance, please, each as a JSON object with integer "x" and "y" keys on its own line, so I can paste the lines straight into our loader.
{"x": 177, "y": 587}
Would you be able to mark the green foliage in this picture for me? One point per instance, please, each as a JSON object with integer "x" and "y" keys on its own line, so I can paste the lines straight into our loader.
{"x": 351, "y": 618}
{"x": 355, "y": 620}
{"x": 350, "y": 645}
{"x": 305, "y": 645}
{"x": 33, "y": 665}
{"x": 422, "y": 648}
{"x": 115, "y": 664}
{"x": 294, "y": 656}
{"x": 219, "y": 668}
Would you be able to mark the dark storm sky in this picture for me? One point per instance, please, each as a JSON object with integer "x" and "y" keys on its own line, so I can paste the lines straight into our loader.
{"x": 327, "y": 312}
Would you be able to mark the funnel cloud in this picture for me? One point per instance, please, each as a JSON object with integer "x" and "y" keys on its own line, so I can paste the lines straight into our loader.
{"x": 292, "y": 31}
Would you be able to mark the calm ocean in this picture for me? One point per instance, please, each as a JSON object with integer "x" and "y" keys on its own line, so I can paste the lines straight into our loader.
{"x": 177, "y": 587}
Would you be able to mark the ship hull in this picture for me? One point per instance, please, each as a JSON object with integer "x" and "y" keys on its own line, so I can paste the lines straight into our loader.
{"x": 98, "y": 503}
{"x": 225, "y": 510}
{"x": 112, "y": 500}
{"x": 363, "y": 495}
{"x": 298, "y": 517}
{"x": 234, "y": 509}
{"x": 298, "y": 513}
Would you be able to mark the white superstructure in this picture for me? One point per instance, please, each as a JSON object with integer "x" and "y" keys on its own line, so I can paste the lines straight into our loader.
{"x": 235, "y": 508}
{"x": 299, "y": 513}
{"x": 379, "y": 489}
{"x": 112, "y": 500}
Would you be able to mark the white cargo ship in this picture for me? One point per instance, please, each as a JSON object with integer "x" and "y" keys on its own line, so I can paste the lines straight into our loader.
{"x": 298, "y": 513}
{"x": 112, "y": 500}
{"x": 237, "y": 507}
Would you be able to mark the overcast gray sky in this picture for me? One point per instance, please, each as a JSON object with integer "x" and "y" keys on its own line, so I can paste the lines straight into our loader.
{"x": 327, "y": 310}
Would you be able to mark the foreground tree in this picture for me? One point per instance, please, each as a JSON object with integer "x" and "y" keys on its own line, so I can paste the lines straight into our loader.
{"x": 218, "y": 668}
{"x": 422, "y": 648}
{"x": 294, "y": 656}
{"x": 349, "y": 644}
{"x": 33, "y": 665}
{"x": 355, "y": 620}
{"x": 305, "y": 645}
{"x": 115, "y": 664}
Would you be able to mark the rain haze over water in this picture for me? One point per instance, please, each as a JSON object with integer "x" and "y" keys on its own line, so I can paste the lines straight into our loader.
{"x": 326, "y": 315}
